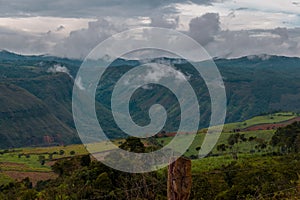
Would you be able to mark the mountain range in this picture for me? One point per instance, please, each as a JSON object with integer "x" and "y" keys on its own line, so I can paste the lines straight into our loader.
{"x": 36, "y": 95}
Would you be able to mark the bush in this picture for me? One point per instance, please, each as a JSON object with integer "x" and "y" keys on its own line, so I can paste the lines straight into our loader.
{"x": 50, "y": 156}
{"x": 61, "y": 152}
{"x": 42, "y": 159}
{"x": 85, "y": 160}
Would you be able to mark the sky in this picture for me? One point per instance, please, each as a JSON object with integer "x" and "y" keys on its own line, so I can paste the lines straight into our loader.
{"x": 226, "y": 28}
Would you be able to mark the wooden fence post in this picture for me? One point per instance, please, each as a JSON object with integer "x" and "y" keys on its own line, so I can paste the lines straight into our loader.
{"x": 179, "y": 179}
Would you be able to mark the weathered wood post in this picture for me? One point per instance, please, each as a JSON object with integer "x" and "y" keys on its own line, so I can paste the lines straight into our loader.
{"x": 179, "y": 179}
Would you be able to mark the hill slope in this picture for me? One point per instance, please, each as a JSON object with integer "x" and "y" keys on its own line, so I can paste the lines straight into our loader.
{"x": 253, "y": 86}
{"x": 26, "y": 120}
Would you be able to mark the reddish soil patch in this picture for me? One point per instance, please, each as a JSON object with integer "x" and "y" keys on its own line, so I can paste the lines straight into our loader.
{"x": 272, "y": 126}
{"x": 171, "y": 134}
{"x": 50, "y": 163}
{"x": 33, "y": 176}
{"x": 11, "y": 164}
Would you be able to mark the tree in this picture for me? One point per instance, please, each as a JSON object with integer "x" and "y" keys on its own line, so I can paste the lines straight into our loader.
{"x": 103, "y": 182}
{"x": 27, "y": 183}
{"x": 61, "y": 152}
{"x": 85, "y": 160}
{"x": 42, "y": 159}
{"x": 243, "y": 138}
{"x": 221, "y": 147}
{"x": 287, "y": 138}
{"x": 133, "y": 144}
{"x": 251, "y": 138}
{"x": 201, "y": 188}
{"x": 29, "y": 195}
{"x": 235, "y": 139}
{"x": 198, "y": 148}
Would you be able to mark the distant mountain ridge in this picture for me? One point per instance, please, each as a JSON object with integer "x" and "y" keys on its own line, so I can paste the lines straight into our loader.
{"x": 35, "y": 102}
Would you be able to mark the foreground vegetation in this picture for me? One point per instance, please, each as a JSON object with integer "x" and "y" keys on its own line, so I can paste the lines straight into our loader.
{"x": 260, "y": 177}
{"x": 262, "y": 164}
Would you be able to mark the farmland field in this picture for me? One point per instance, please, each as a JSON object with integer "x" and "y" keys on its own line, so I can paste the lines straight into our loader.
{"x": 22, "y": 162}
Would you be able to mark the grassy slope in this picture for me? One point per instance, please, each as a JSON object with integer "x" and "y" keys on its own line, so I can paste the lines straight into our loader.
{"x": 25, "y": 119}
{"x": 263, "y": 135}
{"x": 12, "y": 162}
{"x": 265, "y": 119}
{"x": 4, "y": 179}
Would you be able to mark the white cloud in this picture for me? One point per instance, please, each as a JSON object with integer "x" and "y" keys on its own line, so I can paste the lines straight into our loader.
{"x": 44, "y": 24}
{"x": 80, "y": 42}
{"x": 246, "y": 19}
{"x": 261, "y": 57}
{"x": 164, "y": 22}
{"x": 244, "y": 14}
{"x": 255, "y": 42}
{"x": 26, "y": 42}
{"x": 78, "y": 83}
{"x": 158, "y": 71}
{"x": 59, "y": 69}
{"x": 271, "y": 6}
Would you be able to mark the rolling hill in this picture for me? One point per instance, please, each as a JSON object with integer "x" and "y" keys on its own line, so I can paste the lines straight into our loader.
{"x": 26, "y": 120}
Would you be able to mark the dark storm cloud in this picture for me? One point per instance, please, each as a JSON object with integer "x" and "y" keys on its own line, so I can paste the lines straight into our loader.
{"x": 89, "y": 8}
{"x": 203, "y": 29}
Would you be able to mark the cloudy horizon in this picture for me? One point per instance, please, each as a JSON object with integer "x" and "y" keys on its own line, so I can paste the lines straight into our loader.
{"x": 226, "y": 28}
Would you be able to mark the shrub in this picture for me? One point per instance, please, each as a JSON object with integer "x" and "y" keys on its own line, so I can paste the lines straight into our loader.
{"x": 42, "y": 159}
{"x": 61, "y": 152}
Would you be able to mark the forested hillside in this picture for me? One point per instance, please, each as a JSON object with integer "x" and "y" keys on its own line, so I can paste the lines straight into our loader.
{"x": 41, "y": 87}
